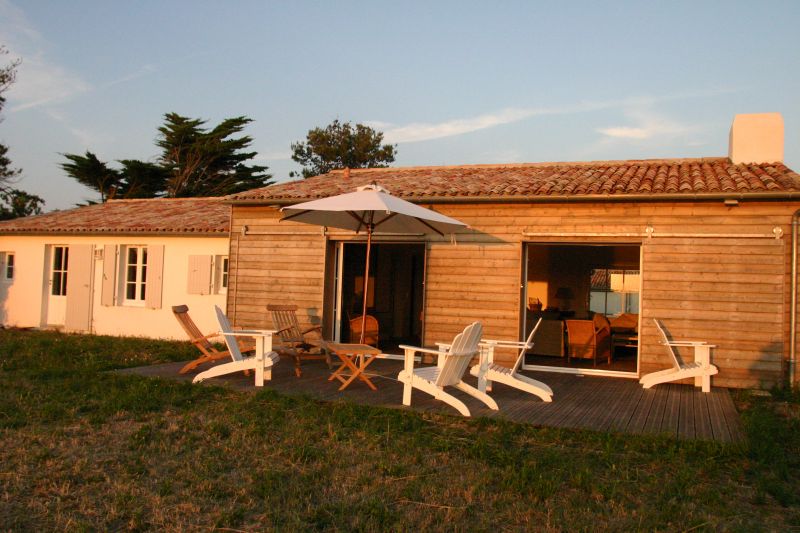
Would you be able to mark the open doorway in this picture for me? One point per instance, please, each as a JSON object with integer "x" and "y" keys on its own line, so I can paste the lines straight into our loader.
{"x": 395, "y": 291}
{"x": 587, "y": 296}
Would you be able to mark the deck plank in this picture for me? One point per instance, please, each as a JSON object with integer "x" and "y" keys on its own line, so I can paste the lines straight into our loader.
{"x": 636, "y": 423}
{"x": 588, "y": 402}
{"x": 686, "y": 420}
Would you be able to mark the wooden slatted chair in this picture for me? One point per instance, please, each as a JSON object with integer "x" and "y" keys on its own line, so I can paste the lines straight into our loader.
{"x": 294, "y": 341}
{"x": 451, "y": 365}
{"x": 371, "y": 336}
{"x": 261, "y": 362}
{"x": 587, "y": 341}
{"x": 196, "y": 337}
{"x": 487, "y": 371}
{"x": 701, "y": 369}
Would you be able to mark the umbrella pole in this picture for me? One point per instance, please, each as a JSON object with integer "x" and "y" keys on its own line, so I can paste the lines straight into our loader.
{"x": 366, "y": 286}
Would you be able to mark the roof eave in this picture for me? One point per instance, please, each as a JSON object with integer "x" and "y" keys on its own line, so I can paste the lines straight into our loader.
{"x": 687, "y": 197}
{"x": 95, "y": 233}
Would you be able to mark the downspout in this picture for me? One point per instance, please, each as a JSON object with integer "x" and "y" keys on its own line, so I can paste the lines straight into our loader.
{"x": 793, "y": 309}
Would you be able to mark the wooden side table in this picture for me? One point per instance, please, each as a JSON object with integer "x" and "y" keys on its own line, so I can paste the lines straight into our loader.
{"x": 356, "y": 358}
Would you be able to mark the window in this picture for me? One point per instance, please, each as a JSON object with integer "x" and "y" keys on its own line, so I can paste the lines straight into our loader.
{"x": 58, "y": 276}
{"x": 223, "y": 282}
{"x": 135, "y": 281}
{"x": 9, "y": 271}
{"x": 614, "y": 291}
{"x": 6, "y": 266}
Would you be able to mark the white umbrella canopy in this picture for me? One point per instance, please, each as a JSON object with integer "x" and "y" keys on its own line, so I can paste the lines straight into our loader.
{"x": 371, "y": 205}
{"x": 368, "y": 209}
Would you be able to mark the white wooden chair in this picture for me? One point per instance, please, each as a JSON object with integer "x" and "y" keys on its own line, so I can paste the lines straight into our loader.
{"x": 451, "y": 365}
{"x": 701, "y": 369}
{"x": 487, "y": 371}
{"x": 261, "y": 362}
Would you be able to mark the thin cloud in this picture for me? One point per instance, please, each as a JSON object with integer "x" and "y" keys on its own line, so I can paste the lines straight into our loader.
{"x": 39, "y": 82}
{"x": 143, "y": 71}
{"x": 649, "y": 125}
{"x": 424, "y": 131}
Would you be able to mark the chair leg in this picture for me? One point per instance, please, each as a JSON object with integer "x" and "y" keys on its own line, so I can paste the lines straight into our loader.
{"x": 407, "y": 393}
{"x": 475, "y": 393}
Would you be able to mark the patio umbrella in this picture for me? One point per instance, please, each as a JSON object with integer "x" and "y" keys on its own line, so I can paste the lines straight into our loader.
{"x": 371, "y": 207}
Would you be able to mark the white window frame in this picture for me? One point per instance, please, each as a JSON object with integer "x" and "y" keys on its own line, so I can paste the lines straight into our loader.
{"x": 221, "y": 270}
{"x": 9, "y": 266}
{"x": 64, "y": 267}
{"x": 140, "y": 276}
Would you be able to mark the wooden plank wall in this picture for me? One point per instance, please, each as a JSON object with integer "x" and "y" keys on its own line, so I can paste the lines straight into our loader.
{"x": 285, "y": 267}
{"x": 733, "y": 292}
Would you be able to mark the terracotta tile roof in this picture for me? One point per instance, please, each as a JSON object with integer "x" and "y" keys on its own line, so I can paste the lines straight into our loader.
{"x": 536, "y": 181}
{"x": 153, "y": 215}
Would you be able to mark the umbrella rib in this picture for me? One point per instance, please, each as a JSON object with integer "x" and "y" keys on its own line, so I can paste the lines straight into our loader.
{"x": 434, "y": 229}
{"x": 293, "y": 215}
{"x": 385, "y": 219}
{"x": 360, "y": 220}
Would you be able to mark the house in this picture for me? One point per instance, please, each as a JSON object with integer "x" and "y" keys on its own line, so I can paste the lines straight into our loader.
{"x": 116, "y": 268}
{"x": 706, "y": 245}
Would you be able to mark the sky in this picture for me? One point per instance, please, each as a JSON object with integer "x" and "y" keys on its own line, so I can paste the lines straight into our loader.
{"x": 448, "y": 82}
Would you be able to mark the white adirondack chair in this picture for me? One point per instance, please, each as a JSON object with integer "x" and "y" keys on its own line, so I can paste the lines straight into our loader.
{"x": 487, "y": 371}
{"x": 701, "y": 369}
{"x": 449, "y": 370}
{"x": 261, "y": 362}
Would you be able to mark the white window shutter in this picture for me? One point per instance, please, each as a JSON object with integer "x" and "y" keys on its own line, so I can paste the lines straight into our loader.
{"x": 199, "y": 274}
{"x": 155, "y": 273}
{"x": 108, "y": 293}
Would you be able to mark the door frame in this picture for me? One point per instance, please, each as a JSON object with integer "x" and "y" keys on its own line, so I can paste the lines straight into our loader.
{"x": 336, "y": 277}
{"x": 524, "y": 310}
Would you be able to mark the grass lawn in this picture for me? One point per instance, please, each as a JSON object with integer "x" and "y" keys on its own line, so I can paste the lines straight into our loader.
{"x": 84, "y": 449}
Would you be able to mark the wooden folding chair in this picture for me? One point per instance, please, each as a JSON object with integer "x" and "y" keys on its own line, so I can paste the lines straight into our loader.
{"x": 200, "y": 341}
{"x": 294, "y": 341}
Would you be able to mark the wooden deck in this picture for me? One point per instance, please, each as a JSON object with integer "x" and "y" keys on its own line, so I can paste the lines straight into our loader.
{"x": 601, "y": 404}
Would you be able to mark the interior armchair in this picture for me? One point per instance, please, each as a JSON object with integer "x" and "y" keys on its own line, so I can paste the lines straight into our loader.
{"x": 589, "y": 339}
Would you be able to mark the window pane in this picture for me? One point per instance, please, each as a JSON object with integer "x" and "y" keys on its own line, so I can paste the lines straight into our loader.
{"x": 130, "y": 291}
{"x": 632, "y": 303}
{"x": 64, "y": 284}
{"x": 597, "y": 302}
{"x": 55, "y": 289}
{"x": 10, "y": 266}
{"x": 144, "y": 274}
{"x": 131, "y": 273}
{"x": 144, "y": 256}
{"x": 613, "y": 303}
{"x": 132, "y": 255}
{"x": 142, "y": 291}
{"x": 65, "y": 264}
{"x": 631, "y": 283}
{"x": 57, "y": 256}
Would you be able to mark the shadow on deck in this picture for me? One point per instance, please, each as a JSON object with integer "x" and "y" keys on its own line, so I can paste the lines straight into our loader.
{"x": 595, "y": 403}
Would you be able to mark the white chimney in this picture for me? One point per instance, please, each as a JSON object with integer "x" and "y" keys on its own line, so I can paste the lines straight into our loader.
{"x": 756, "y": 138}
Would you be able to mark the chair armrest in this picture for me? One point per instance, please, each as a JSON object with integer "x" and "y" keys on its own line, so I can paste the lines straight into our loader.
{"x": 312, "y": 328}
{"x": 409, "y": 357}
{"x": 421, "y": 350}
{"x": 248, "y": 333}
{"x": 686, "y": 343}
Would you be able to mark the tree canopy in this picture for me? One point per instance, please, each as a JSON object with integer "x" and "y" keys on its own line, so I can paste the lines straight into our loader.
{"x": 13, "y": 202}
{"x": 341, "y": 145}
{"x": 194, "y": 161}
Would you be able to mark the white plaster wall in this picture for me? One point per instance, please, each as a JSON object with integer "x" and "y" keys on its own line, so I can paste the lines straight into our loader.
{"x": 22, "y": 301}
